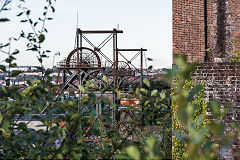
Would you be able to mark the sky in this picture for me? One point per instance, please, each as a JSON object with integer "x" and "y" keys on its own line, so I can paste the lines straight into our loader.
{"x": 145, "y": 24}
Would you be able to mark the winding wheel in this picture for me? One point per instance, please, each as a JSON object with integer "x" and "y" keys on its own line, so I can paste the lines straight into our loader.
{"x": 124, "y": 71}
{"x": 123, "y": 68}
{"x": 83, "y": 60}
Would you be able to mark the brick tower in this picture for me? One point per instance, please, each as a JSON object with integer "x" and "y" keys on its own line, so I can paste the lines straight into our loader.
{"x": 206, "y": 28}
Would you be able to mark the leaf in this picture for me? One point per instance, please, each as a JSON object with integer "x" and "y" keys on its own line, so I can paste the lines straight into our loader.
{"x": 150, "y": 59}
{"x": 44, "y": 56}
{"x": 106, "y": 100}
{"x": 145, "y": 81}
{"x": 74, "y": 116}
{"x": 163, "y": 94}
{"x": 215, "y": 109}
{"x": 48, "y": 72}
{"x": 35, "y": 24}
{"x": 105, "y": 89}
{"x": 114, "y": 106}
{"x": 1, "y": 118}
{"x": 235, "y": 125}
{"x": 180, "y": 61}
{"x": 49, "y": 18}
{"x": 123, "y": 96}
{"x": 4, "y": 20}
{"x": 6, "y": 125}
{"x": 41, "y": 38}
{"x": 81, "y": 88}
{"x": 3, "y": 68}
{"x": 194, "y": 92}
{"x": 15, "y": 73}
{"x": 117, "y": 91}
{"x": 138, "y": 91}
{"x": 150, "y": 142}
{"x": 23, "y": 21}
{"x": 59, "y": 156}
{"x": 133, "y": 152}
{"x": 5, "y": 133}
{"x": 8, "y": 82}
{"x": 53, "y": 9}
{"x": 32, "y": 49}
{"x": 179, "y": 136}
{"x": 217, "y": 128}
{"x": 19, "y": 14}
{"x": 105, "y": 78}
{"x": 22, "y": 34}
{"x": 13, "y": 65}
{"x": 2, "y": 46}
{"x": 208, "y": 145}
{"x": 40, "y": 60}
{"x": 154, "y": 93}
{"x": 15, "y": 52}
{"x": 144, "y": 90}
{"x": 146, "y": 103}
{"x": 28, "y": 12}
{"x": 10, "y": 59}
{"x": 150, "y": 67}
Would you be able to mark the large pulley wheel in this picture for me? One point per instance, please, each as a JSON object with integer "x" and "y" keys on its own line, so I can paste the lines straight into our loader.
{"x": 123, "y": 68}
{"x": 124, "y": 71}
{"x": 82, "y": 59}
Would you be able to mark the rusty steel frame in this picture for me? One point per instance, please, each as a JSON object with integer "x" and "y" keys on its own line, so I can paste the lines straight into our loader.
{"x": 80, "y": 37}
{"x": 139, "y": 51}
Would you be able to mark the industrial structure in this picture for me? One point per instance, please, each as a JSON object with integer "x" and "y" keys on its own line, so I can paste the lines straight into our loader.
{"x": 90, "y": 63}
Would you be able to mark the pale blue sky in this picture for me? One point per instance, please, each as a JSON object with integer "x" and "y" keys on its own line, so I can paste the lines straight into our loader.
{"x": 146, "y": 23}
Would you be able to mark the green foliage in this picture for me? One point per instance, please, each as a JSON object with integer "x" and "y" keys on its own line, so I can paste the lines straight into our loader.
{"x": 194, "y": 137}
{"x": 19, "y": 140}
{"x": 236, "y": 56}
{"x": 154, "y": 113}
{"x": 68, "y": 125}
{"x": 195, "y": 100}
{"x": 149, "y": 151}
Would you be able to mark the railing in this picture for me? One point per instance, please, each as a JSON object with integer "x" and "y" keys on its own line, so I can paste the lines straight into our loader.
{"x": 63, "y": 64}
{"x": 108, "y": 69}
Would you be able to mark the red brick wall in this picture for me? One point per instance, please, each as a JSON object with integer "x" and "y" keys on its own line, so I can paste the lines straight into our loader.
{"x": 222, "y": 80}
{"x": 223, "y": 27}
{"x": 188, "y": 28}
{"x": 212, "y": 26}
{"x": 222, "y": 83}
{"x": 233, "y": 24}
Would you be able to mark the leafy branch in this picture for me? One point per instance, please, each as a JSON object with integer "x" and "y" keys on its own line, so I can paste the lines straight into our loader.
{"x": 4, "y": 5}
{"x": 36, "y": 38}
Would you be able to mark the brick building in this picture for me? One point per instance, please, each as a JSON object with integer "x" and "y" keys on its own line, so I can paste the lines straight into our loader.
{"x": 208, "y": 31}
{"x": 206, "y": 24}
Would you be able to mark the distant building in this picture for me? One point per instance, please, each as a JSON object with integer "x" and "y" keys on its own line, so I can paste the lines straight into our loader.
{"x": 23, "y": 68}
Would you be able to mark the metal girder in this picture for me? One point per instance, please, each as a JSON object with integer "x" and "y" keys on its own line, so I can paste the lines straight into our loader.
{"x": 98, "y": 31}
{"x": 123, "y": 50}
